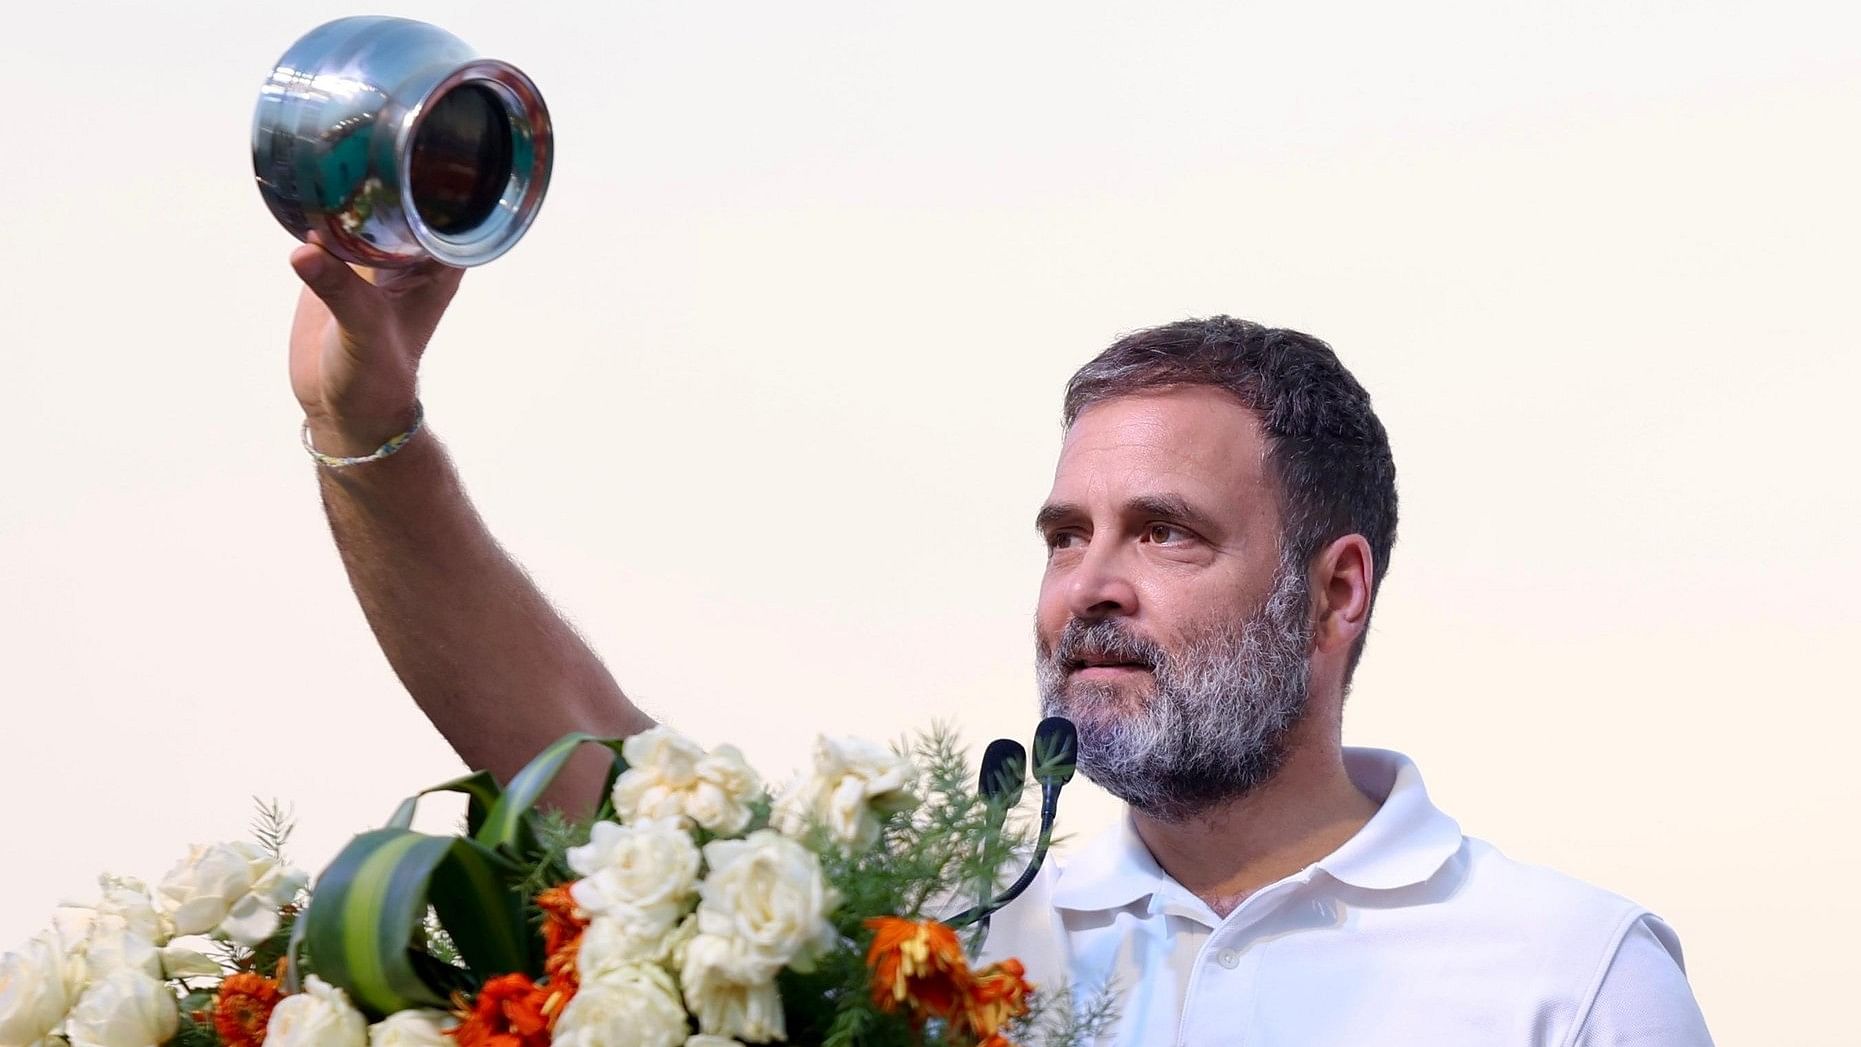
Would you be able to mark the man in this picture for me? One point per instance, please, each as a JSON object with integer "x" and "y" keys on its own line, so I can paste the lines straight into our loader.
{"x": 1222, "y": 514}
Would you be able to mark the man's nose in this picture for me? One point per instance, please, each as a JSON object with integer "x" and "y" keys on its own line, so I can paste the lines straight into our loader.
{"x": 1101, "y": 587}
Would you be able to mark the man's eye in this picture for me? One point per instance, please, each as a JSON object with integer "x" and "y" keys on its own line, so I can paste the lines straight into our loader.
{"x": 1164, "y": 534}
{"x": 1058, "y": 540}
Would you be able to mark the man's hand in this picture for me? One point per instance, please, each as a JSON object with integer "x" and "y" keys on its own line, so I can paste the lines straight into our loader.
{"x": 356, "y": 344}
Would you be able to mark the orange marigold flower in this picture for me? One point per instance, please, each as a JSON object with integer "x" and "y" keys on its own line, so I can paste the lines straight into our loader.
{"x": 563, "y": 924}
{"x": 242, "y": 1008}
{"x": 917, "y": 965}
{"x": 997, "y": 996}
{"x": 510, "y": 1011}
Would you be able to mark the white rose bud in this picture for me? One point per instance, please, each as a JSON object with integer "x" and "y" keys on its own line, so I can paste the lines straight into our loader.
{"x": 631, "y": 1007}
{"x": 320, "y": 1016}
{"x": 125, "y": 1008}
{"x": 731, "y": 990}
{"x": 416, "y": 1028}
{"x": 670, "y": 776}
{"x": 768, "y": 892}
{"x": 37, "y": 982}
{"x": 854, "y": 784}
{"x": 640, "y": 876}
{"x": 235, "y": 889}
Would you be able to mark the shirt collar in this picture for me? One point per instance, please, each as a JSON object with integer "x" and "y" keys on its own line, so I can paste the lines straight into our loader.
{"x": 1404, "y": 843}
{"x": 1407, "y": 840}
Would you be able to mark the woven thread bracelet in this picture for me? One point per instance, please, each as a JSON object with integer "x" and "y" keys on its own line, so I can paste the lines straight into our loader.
{"x": 395, "y": 443}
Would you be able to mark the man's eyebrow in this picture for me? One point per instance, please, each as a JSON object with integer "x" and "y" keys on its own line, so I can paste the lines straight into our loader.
{"x": 1054, "y": 513}
{"x": 1168, "y": 506}
{"x": 1163, "y": 506}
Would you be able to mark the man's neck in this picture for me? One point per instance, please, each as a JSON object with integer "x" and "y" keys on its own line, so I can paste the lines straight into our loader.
{"x": 1305, "y": 812}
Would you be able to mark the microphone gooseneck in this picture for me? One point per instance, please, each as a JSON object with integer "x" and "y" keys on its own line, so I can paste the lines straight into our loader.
{"x": 1056, "y": 757}
{"x": 1000, "y": 782}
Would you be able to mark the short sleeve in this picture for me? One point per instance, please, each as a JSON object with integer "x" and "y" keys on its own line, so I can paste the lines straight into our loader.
{"x": 1644, "y": 999}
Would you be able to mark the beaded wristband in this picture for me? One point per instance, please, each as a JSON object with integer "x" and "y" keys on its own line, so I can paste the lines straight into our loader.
{"x": 394, "y": 444}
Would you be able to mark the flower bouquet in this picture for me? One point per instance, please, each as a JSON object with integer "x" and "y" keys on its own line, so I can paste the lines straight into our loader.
{"x": 695, "y": 909}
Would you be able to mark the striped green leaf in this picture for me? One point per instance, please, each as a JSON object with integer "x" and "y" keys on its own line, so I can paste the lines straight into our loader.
{"x": 371, "y": 900}
{"x": 508, "y": 827}
{"x": 481, "y": 789}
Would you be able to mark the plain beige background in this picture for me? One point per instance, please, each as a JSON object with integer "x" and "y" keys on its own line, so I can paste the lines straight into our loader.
{"x": 768, "y": 397}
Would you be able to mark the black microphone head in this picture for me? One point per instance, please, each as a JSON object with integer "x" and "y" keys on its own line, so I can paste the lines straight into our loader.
{"x": 1056, "y": 750}
{"x": 1004, "y": 772}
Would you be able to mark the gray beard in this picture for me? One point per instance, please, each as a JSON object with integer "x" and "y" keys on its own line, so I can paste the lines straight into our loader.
{"x": 1215, "y": 727}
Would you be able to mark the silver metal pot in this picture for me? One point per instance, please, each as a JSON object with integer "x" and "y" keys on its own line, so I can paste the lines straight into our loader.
{"x": 394, "y": 141}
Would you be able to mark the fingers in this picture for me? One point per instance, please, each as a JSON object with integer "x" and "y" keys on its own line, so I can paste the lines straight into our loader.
{"x": 423, "y": 277}
{"x": 421, "y": 292}
{"x": 352, "y": 300}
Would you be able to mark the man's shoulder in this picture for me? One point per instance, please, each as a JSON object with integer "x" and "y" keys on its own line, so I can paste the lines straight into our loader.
{"x": 1504, "y": 898}
{"x": 1490, "y": 871}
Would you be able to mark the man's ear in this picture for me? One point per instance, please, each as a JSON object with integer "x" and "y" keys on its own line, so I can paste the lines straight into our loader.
{"x": 1342, "y": 575}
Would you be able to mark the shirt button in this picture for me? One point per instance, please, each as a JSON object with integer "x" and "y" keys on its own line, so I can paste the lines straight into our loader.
{"x": 1228, "y": 958}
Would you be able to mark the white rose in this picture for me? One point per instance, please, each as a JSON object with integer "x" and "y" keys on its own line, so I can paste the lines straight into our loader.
{"x": 233, "y": 888}
{"x": 854, "y": 783}
{"x": 181, "y": 962}
{"x": 726, "y": 787}
{"x": 609, "y": 945}
{"x": 255, "y": 917}
{"x": 124, "y": 1008}
{"x": 128, "y": 898}
{"x": 670, "y": 776}
{"x": 416, "y": 1028}
{"x": 731, "y": 990}
{"x": 640, "y": 876}
{"x": 320, "y": 1016}
{"x": 662, "y": 765}
{"x": 112, "y": 945}
{"x": 707, "y": 1040}
{"x": 37, "y": 982}
{"x": 631, "y": 1007}
{"x": 767, "y": 891}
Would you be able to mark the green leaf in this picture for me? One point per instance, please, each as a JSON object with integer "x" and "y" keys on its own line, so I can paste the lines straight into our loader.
{"x": 508, "y": 827}
{"x": 363, "y": 915}
{"x": 479, "y": 786}
{"x": 371, "y": 899}
{"x": 472, "y": 894}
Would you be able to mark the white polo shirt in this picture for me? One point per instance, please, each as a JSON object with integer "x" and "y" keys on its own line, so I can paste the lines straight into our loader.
{"x": 1410, "y": 933}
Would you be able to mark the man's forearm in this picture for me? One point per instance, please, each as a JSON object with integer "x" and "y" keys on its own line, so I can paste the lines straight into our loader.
{"x": 495, "y": 668}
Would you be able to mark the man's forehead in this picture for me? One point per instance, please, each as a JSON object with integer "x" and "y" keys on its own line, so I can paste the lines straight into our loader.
{"x": 1199, "y": 436}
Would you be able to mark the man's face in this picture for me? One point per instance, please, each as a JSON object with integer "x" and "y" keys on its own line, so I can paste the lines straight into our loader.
{"x": 1166, "y": 630}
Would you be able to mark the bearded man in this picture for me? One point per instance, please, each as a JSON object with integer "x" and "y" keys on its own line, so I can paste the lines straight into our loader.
{"x": 1220, "y": 520}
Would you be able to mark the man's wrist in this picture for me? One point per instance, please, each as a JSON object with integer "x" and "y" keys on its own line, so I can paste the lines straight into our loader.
{"x": 352, "y": 437}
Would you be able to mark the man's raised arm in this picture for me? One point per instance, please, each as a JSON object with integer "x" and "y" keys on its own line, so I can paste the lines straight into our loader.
{"x": 495, "y": 668}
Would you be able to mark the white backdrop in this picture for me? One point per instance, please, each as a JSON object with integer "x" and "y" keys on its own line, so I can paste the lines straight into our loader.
{"x": 768, "y": 397}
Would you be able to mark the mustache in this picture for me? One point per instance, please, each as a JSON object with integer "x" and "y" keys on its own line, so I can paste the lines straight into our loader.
{"x": 1103, "y": 642}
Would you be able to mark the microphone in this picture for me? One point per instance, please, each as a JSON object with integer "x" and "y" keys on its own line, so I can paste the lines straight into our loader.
{"x": 1003, "y": 778}
{"x": 1056, "y": 757}
{"x": 1056, "y": 752}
